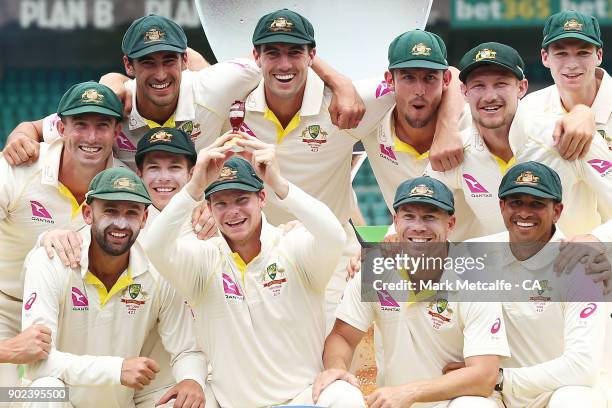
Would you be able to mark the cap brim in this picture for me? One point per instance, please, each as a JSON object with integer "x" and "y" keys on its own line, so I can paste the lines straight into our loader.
{"x": 155, "y": 48}
{"x": 231, "y": 186}
{"x": 571, "y": 35}
{"x": 463, "y": 74}
{"x": 424, "y": 200}
{"x": 91, "y": 109}
{"x": 120, "y": 196}
{"x": 527, "y": 190}
{"x": 169, "y": 149}
{"x": 419, "y": 64}
{"x": 283, "y": 39}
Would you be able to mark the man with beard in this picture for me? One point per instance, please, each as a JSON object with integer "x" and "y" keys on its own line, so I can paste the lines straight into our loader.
{"x": 48, "y": 194}
{"x": 425, "y": 331}
{"x": 115, "y": 299}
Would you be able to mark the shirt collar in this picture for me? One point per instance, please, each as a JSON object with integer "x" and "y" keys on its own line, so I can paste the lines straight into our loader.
{"x": 138, "y": 263}
{"x": 185, "y": 108}
{"x": 311, "y": 103}
{"x": 544, "y": 257}
{"x": 52, "y": 159}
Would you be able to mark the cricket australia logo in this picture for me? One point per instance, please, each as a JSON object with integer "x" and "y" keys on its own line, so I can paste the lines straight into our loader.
{"x": 539, "y": 299}
{"x": 154, "y": 35}
{"x": 421, "y": 49}
{"x": 134, "y": 297}
{"x": 485, "y": 54}
{"x": 314, "y": 137}
{"x": 92, "y": 96}
{"x": 440, "y": 312}
{"x": 281, "y": 24}
{"x": 572, "y": 25}
{"x": 274, "y": 279}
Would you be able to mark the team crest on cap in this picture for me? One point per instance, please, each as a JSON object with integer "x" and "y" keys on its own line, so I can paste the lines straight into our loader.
{"x": 160, "y": 136}
{"x": 124, "y": 183}
{"x": 572, "y": 25}
{"x": 281, "y": 24}
{"x": 421, "y": 190}
{"x": 421, "y": 49}
{"x": 527, "y": 177}
{"x": 92, "y": 96}
{"x": 485, "y": 53}
{"x": 227, "y": 173}
{"x": 153, "y": 35}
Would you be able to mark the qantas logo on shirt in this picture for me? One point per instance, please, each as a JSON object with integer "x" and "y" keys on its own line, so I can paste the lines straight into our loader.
{"x": 28, "y": 304}
{"x": 244, "y": 128}
{"x": 386, "y": 152}
{"x": 230, "y": 288}
{"x": 477, "y": 189}
{"x": 124, "y": 143}
{"x": 79, "y": 300}
{"x": 602, "y": 166}
{"x": 387, "y": 302}
{"x": 40, "y": 213}
{"x": 382, "y": 89}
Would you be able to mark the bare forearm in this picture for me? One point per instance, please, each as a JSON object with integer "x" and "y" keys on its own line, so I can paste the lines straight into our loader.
{"x": 338, "y": 353}
{"x": 32, "y": 130}
{"x": 465, "y": 381}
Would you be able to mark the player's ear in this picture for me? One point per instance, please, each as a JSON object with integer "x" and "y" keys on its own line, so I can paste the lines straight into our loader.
{"x": 145, "y": 215}
{"x": 544, "y": 56}
{"x": 452, "y": 220}
{"x": 87, "y": 212}
{"x": 59, "y": 125}
{"x": 128, "y": 66}
{"x": 558, "y": 209}
{"x": 257, "y": 55}
{"x": 447, "y": 76}
{"x": 262, "y": 198}
{"x": 523, "y": 86}
{"x": 599, "y": 53}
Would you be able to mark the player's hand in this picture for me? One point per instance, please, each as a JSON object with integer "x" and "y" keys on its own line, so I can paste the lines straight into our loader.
{"x": 347, "y": 108}
{"x": 601, "y": 271}
{"x": 116, "y": 82}
{"x": 203, "y": 222}
{"x": 452, "y": 366}
{"x": 20, "y": 149}
{"x": 32, "y": 344}
{"x": 208, "y": 166}
{"x": 136, "y": 372}
{"x": 67, "y": 245}
{"x": 327, "y": 377}
{"x": 263, "y": 159}
{"x": 353, "y": 267}
{"x": 402, "y": 396}
{"x": 186, "y": 394}
{"x": 446, "y": 150}
{"x": 574, "y": 132}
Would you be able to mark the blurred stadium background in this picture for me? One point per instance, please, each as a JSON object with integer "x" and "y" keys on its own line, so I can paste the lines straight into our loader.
{"x": 48, "y": 45}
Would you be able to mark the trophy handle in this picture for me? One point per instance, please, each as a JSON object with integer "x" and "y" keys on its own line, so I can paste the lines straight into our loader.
{"x": 353, "y": 36}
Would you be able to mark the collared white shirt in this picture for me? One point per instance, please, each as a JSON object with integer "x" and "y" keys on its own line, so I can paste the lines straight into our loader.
{"x": 312, "y": 152}
{"x": 33, "y": 200}
{"x": 94, "y": 330}
{"x": 262, "y": 324}
{"x": 553, "y": 344}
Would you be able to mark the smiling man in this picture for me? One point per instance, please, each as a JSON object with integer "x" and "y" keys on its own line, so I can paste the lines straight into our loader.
{"x": 556, "y": 346}
{"x": 100, "y": 326}
{"x": 573, "y": 50}
{"x": 48, "y": 194}
{"x": 418, "y": 340}
{"x": 258, "y": 294}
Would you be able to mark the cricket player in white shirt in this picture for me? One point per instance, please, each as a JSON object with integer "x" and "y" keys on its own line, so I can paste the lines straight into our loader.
{"x": 115, "y": 299}
{"x": 258, "y": 294}
{"x": 421, "y": 336}
{"x": 557, "y": 346}
{"x": 572, "y": 49}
